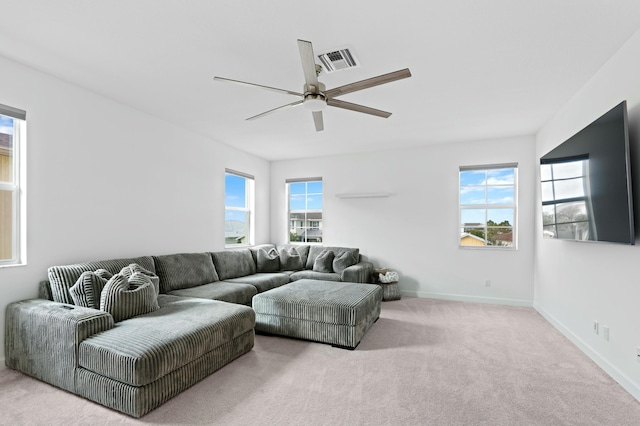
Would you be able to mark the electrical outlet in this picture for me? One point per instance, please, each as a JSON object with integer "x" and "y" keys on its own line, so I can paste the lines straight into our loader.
{"x": 487, "y": 283}
{"x": 596, "y": 327}
{"x": 605, "y": 332}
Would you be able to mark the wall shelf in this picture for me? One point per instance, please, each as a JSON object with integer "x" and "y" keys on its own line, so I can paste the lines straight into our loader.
{"x": 362, "y": 195}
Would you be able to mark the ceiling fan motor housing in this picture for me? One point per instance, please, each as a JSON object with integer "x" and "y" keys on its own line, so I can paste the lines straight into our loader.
{"x": 314, "y": 98}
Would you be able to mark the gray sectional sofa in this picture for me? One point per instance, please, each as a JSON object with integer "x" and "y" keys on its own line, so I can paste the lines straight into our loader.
{"x": 180, "y": 317}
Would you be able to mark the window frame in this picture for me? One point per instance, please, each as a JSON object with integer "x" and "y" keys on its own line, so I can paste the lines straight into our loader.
{"x": 488, "y": 206}
{"x": 306, "y": 211}
{"x": 17, "y": 186}
{"x": 248, "y": 210}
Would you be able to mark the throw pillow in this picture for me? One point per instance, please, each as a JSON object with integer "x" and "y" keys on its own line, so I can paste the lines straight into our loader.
{"x": 126, "y": 297}
{"x": 127, "y": 271}
{"x": 87, "y": 289}
{"x": 268, "y": 261}
{"x": 324, "y": 261}
{"x": 290, "y": 260}
{"x": 344, "y": 260}
{"x": 103, "y": 273}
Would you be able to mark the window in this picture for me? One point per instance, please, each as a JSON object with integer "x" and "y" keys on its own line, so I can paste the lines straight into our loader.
{"x": 488, "y": 206}
{"x": 238, "y": 208}
{"x": 566, "y": 201}
{"x": 12, "y": 232}
{"x": 305, "y": 210}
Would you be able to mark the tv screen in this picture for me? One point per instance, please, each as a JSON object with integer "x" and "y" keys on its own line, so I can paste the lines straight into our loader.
{"x": 586, "y": 183}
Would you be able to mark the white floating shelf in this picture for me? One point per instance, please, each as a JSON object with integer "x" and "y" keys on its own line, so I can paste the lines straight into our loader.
{"x": 362, "y": 195}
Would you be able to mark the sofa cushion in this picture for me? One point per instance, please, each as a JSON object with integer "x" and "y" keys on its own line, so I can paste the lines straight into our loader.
{"x": 142, "y": 349}
{"x": 62, "y": 278}
{"x": 263, "y": 282}
{"x": 86, "y": 291}
{"x": 233, "y": 263}
{"x": 324, "y": 261}
{"x": 325, "y": 276}
{"x": 302, "y": 249}
{"x": 314, "y": 251}
{"x": 184, "y": 270}
{"x": 268, "y": 261}
{"x": 254, "y": 250}
{"x": 290, "y": 259}
{"x": 221, "y": 290}
{"x": 127, "y": 271}
{"x": 343, "y": 260}
{"x": 126, "y": 297}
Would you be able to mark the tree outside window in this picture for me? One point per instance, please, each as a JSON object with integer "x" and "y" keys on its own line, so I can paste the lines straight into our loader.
{"x": 488, "y": 206}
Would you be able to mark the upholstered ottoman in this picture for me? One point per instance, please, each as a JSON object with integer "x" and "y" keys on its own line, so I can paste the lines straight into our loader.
{"x": 337, "y": 313}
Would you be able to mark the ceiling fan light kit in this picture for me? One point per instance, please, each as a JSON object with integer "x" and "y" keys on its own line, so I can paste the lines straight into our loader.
{"x": 315, "y": 97}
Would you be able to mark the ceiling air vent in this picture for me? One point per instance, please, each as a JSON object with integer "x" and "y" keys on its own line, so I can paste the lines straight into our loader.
{"x": 336, "y": 60}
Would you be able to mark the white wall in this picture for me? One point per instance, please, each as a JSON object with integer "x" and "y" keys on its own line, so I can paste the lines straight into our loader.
{"x": 107, "y": 181}
{"x": 577, "y": 283}
{"x": 415, "y": 230}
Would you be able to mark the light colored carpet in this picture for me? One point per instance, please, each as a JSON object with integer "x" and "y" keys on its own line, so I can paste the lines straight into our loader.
{"x": 424, "y": 362}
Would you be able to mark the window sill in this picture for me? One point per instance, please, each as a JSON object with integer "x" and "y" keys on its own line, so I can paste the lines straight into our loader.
{"x": 12, "y": 265}
{"x": 488, "y": 248}
{"x": 238, "y": 246}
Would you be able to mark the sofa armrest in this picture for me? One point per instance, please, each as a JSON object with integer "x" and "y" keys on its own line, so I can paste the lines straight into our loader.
{"x": 42, "y": 338}
{"x": 358, "y": 273}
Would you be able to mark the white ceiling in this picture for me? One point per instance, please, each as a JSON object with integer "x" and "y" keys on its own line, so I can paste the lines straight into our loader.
{"x": 481, "y": 68}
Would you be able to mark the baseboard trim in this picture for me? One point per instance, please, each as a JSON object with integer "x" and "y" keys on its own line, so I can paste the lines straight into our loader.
{"x": 628, "y": 384}
{"x": 466, "y": 298}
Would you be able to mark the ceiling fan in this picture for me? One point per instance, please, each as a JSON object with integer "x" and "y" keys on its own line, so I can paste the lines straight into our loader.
{"x": 315, "y": 97}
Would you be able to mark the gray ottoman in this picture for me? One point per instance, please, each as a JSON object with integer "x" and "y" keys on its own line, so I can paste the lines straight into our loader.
{"x": 331, "y": 312}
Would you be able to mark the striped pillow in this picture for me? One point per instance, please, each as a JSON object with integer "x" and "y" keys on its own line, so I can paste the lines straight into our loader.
{"x": 87, "y": 289}
{"x": 127, "y": 271}
{"x": 125, "y": 298}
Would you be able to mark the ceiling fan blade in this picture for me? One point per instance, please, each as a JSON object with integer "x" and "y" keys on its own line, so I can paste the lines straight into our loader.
{"x": 358, "y": 108}
{"x": 317, "y": 120}
{"x": 244, "y": 83}
{"x": 370, "y": 82}
{"x": 293, "y": 104}
{"x": 308, "y": 63}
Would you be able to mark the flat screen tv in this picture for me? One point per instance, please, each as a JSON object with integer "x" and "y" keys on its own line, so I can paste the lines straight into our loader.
{"x": 586, "y": 183}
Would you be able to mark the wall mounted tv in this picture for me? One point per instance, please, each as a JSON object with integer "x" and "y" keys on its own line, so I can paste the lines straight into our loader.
{"x": 586, "y": 183}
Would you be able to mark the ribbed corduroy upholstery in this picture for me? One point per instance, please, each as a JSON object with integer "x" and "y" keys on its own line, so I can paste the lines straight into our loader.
{"x": 359, "y": 273}
{"x": 255, "y": 249}
{"x": 139, "y": 400}
{"x": 329, "y": 312}
{"x": 302, "y": 249}
{"x": 221, "y": 290}
{"x": 184, "y": 270}
{"x": 314, "y": 252}
{"x": 86, "y": 291}
{"x": 125, "y": 297}
{"x": 313, "y": 275}
{"x": 128, "y": 271}
{"x": 391, "y": 291}
{"x": 142, "y": 349}
{"x": 41, "y": 338}
{"x": 233, "y": 263}
{"x": 262, "y": 281}
{"x": 63, "y": 277}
